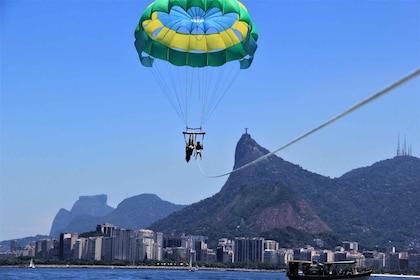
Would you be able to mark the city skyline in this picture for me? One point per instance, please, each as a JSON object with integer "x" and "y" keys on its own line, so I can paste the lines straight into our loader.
{"x": 109, "y": 244}
{"x": 80, "y": 115}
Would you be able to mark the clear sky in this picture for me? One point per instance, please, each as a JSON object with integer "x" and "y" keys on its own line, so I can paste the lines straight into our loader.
{"x": 81, "y": 116}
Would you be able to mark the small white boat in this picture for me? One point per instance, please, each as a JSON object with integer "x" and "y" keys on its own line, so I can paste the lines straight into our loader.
{"x": 31, "y": 264}
{"x": 190, "y": 266}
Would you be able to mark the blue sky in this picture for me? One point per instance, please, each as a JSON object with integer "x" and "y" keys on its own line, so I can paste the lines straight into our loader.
{"x": 81, "y": 116}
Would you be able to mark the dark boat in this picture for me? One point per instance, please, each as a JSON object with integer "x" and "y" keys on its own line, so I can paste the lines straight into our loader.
{"x": 306, "y": 270}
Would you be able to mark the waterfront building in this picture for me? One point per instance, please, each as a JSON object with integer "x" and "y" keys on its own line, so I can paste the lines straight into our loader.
{"x": 403, "y": 257}
{"x": 225, "y": 250}
{"x": 381, "y": 260}
{"x": 393, "y": 261}
{"x": 307, "y": 253}
{"x": 284, "y": 256}
{"x": 14, "y": 246}
{"x": 145, "y": 245}
{"x": 390, "y": 250}
{"x": 270, "y": 256}
{"x": 15, "y": 249}
{"x": 128, "y": 245}
{"x": 357, "y": 257}
{"x": 197, "y": 244}
{"x": 29, "y": 250}
{"x": 158, "y": 246}
{"x": 78, "y": 248}
{"x": 176, "y": 254}
{"x": 271, "y": 245}
{"x": 93, "y": 249}
{"x": 67, "y": 242}
{"x": 210, "y": 255}
{"x": 414, "y": 261}
{"x": 172, "y": 241}
{"x": 326, "y": 256}
{"x": 249, "y": 249}
{"x": 107, "y": 249}
{"x": 44, "y": 248}
{"x": 340, "y": 256}
{"x": 88, "y": 248}
{"x": 350, "y": 246}
{"x": 374, "y": 260}
{"x": 107, "y": 230}
{"x": 123, "y": 244}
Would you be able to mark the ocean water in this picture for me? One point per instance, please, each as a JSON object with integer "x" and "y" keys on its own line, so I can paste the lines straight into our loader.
{"x": 121, "y": 273}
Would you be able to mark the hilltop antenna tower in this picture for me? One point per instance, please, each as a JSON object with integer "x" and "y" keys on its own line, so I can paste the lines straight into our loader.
{"x": 404, "y": 147}
{"x": 404, "y": 150}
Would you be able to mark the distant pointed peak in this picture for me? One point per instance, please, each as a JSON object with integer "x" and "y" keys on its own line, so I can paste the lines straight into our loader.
{"x": 247, "y": 150}
{"x": 245, "y": 137}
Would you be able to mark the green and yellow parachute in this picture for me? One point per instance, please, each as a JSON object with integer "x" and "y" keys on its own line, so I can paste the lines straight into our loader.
{"x": 197, "y": 37}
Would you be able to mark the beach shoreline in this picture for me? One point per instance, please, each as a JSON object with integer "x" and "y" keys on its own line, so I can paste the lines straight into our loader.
{"x": 155, "y": 267}
{"x": 169, "y": 267}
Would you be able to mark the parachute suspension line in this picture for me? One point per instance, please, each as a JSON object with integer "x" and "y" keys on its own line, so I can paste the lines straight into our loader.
{"x": 214, "y": 88}
{"x": 184, "y": 93}
{"x": 336, "y": 118}
{"x": 164, "y": 73}
{"x": 213, "y": 85}
{"x": 177, "y": 91}
{"x": 205, "y": 90}
{"x": 223, "y": 85}
{"x": 163, "y": 84}
{"x": 194, "y": 86}
{"x": 183, "y": 85}
{"x": 205, "y": 81}
{"x": 200, "y": 93}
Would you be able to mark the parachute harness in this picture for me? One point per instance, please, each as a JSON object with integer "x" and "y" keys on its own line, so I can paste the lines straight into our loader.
{"x": 336, "y": 118}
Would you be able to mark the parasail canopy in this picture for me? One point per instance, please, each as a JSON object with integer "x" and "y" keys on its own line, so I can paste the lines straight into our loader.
{"x": 195, "y": 34}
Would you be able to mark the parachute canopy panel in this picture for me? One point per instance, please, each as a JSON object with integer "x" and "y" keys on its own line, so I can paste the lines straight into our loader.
{"x": 196, "y": 33}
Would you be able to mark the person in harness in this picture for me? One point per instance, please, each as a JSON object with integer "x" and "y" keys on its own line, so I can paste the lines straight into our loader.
{"x": 198, "y": 149}
{"x": 189, "y": 148}
{"x": 192, "y": 145}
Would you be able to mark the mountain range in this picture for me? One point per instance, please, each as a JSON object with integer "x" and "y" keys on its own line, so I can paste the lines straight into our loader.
{"x": 133, "y": 213}
{"x": 278, "y": 200}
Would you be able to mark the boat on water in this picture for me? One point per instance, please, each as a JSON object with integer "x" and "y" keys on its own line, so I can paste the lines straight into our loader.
{"x": 192, "y": 268}
{"x": 31, "y": 264}
{"x": 306, "y": 270}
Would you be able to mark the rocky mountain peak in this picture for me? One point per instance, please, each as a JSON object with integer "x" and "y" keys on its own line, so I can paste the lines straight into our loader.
{"x": 134, "y": 213}
{"x": 94, "y": 205}
{"x": 247, "y": 150}
{"x": 253, "y": 200}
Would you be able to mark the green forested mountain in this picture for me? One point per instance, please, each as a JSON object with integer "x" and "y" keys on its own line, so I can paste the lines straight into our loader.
{"x": 383, "y": 202}
{"x": 253, "y": 201}
{"x": 280, "y": 200}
